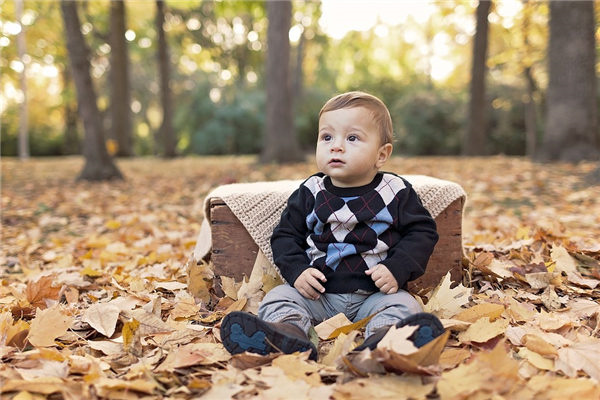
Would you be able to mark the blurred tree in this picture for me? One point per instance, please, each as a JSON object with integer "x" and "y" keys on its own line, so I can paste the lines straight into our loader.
{"x": 98, "y": 164}
{"x": 71, "y": 142}
{"x": 23, "y": 110}
{"x": 571, "y": 117}
{"x": 166, "y": 131}
{"x": 280, "y": 142}
{"x": 529, "y": 100}
{"x": 475, "y": 140}
{"x": 120, "y": 93}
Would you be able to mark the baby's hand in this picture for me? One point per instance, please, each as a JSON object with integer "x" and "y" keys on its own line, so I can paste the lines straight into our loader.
{"x": 383, "y": 278}
{"x": 308, "y": 283}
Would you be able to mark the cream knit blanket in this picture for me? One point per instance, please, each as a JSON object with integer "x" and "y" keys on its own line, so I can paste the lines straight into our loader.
{"x": 259, "y": 205}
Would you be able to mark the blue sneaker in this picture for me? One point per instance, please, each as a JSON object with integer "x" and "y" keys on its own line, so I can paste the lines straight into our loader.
{"x": 429, "y": 327}
{"x": 241, "y": 331}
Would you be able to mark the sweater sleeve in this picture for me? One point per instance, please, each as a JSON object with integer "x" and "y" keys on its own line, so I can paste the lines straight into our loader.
{"x": 408, "y": 258}
{"x": 288, "y": 241}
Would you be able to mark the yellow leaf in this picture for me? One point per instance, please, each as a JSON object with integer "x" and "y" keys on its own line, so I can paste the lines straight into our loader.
{"x": 342, "y": 346}
{"x": 91, "y": 272}
{"x": 537, "y": 360}
{"x": 539, "y": 345}
{"x": 483, "y": 330}
{"x": 200, "y": 280}
{"x": 472, "y": 314}
{"x": 113, "y": 224}
{"x": 352, "y": 327}
{"x": 129, "y": 330}
{"x": 46, "y": 385}
{"x": 270, "y": 281}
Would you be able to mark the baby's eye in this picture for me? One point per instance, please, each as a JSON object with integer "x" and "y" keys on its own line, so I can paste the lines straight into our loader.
{"x": 326, "y": 137}
{"x": 352, "y": 138}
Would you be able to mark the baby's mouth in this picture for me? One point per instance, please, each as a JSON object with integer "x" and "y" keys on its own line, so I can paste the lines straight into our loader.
{"x": 336, "y": 161}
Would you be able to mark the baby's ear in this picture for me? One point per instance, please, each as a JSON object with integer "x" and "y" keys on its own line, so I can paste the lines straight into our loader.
{"x": 384, "y": 153}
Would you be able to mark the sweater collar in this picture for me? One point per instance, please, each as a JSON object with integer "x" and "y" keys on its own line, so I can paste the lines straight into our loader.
{"x": 352, "y": 191}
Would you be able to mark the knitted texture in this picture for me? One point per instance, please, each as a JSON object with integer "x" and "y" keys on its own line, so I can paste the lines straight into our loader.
{"x": 259, "y": 205}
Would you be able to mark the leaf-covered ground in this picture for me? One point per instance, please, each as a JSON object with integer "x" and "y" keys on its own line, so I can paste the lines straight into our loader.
{"x": 94, "y": 300}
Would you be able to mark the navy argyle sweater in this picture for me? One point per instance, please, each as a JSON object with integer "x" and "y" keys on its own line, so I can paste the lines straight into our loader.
{"x": 344, "y": 231}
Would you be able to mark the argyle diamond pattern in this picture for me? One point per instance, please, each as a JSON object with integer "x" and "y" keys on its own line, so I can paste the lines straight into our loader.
{"x": 351, "y": 232}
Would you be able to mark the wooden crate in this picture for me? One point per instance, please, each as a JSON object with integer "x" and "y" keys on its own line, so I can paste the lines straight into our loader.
{"x": 234, "y": 252}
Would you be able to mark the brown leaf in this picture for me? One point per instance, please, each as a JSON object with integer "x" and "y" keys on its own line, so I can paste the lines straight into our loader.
{"x": 194, "y": 354}
{"x": 41, "y": 290}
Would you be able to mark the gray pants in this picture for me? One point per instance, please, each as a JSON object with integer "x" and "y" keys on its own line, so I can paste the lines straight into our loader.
{"x": 285, "y": 304}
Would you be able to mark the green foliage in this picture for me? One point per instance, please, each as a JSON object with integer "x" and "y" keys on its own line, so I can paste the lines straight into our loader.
{"x": 234, "y": 125}
{"x": 428, "y": 122}
{"x": 306, "y": 115}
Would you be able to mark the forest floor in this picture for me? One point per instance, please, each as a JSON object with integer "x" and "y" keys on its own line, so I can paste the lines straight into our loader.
{"x": 94, "y": 300}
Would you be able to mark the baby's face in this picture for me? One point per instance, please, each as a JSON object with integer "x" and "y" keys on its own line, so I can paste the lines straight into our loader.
{"x": 349, "y": 147}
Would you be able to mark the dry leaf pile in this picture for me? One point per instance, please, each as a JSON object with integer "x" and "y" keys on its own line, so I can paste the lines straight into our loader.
{"x": 94, "y": 300}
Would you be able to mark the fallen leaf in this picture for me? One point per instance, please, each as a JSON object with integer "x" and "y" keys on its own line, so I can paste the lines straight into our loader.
{"x": 295, "y": 367}
{"x": 41, "y": 290}
{"x": 472, "y": 314}
{"x": 102, "y": 317}
{"x": 490, "y": 374}
{"x": 536, "y": 359}
{"x": 45, "y": 386}
{"x": 384, "y": 387}
{"x": 450, "y": 358}
{"x": 537, "y": 344}
{"x": 194, "y": 354}
{"x": 562, "y": 258}
{"x": 396, "y": 340}
{"x": 580, "y": 357}
{"x": 446, "y": 302}
{"x": 230, "y": 288}
{"x": 343, "y": 345}
{"x": 325, "y": 328}
{"x": 47, "y": 325}
{"x": 483, "y": 330}
{"x": 47, "y": 368}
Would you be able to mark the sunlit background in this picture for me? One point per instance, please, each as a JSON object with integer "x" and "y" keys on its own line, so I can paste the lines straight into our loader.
{"x": 413, "y": 54}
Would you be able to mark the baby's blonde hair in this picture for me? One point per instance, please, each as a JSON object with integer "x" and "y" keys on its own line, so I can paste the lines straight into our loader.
{"x": 381, "y": 114}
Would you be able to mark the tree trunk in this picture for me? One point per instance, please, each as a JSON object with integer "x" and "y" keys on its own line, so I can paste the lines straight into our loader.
{"x": 299, "y": 70}
{"x": 119, "y": 82}
{"x": 280, "y": 143}
{"x": 166, "y": 132}
{"x": 98, "y": 164}
{"x": 71, "y": 136}
{"x": 529, "y": 105}
{"x": 475, "y": 141}
{"x": 23, "y": 109}
{"x": 571, "y": 114}
{"x": 530, "y": 115}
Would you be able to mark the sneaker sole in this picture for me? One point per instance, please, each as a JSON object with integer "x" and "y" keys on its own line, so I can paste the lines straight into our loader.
{"x": 242, "y": 332}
